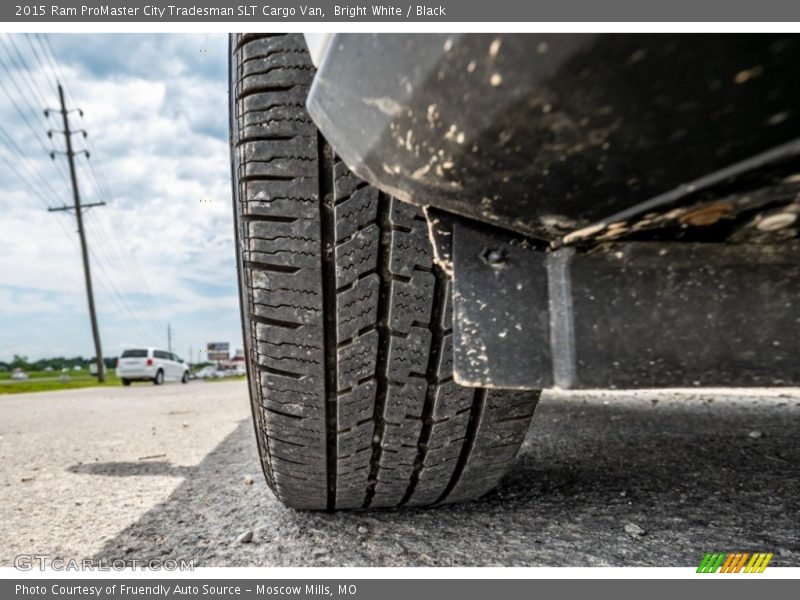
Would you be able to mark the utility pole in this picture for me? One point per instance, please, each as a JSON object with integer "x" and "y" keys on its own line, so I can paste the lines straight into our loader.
{"x": 101, "y": 371}
{"x": 169, "y": 337}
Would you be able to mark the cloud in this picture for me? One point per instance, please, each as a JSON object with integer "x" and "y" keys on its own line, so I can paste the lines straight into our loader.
{"x": 162, "y": 250}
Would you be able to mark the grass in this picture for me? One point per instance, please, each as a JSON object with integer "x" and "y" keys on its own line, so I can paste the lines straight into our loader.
{"x": 47, "y": 381}
{"x": 41, "y": 381}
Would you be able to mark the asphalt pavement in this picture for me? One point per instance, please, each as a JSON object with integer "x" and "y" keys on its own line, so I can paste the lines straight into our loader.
{"x": 622, "y": 479}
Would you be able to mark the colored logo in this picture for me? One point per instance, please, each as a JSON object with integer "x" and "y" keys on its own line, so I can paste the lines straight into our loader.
{"x": 734, "y": 562}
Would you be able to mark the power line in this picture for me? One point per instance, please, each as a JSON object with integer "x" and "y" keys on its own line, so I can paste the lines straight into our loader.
{"x": 17, "y": 108}
{"x": 35, "y": 191}
{"x": 91, "y": 180}
{"x": 40, "y": 187}
{"x": 110, "y": 258}
{"x": 97, "y": 178}
{"x": 114, "y": 267}
{"x": 27, "y": 183}
{"x": 26, "y": 73}
{"x": 139, "y": 281}
{"x": 47, "y": 55}
{"x": 61, "y": 168}
{"x": 37, "y": 185}
{"x": 21, "y": 94}
{"x": 111, "y": 249}
{"x": 39, "y": 60}
{"x": 55, "y": 69}
{"x": 21, "y": 112}
{"x": 103, "y": 186}
{"x": 110, "y": 253}
{"x": 38, "y": 194}
{"x": 119, "y": 299}
{"x": 9, "y": 142}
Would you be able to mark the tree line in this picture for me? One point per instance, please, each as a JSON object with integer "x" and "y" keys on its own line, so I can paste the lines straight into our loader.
{"x": 56, "y": 363}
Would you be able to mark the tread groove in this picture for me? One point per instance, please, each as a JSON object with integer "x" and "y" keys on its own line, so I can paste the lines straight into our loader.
{"x": 264, "y": 266}
{"x": 282, "y": 414}
{"x": 274, "y": 322}
{"x": 265, "y": 89}
{"x": 384, "y": 338}
{"x": 247, "y": 38}
{"x": 280, "y": 372}
{"x": 437, "y": 340}
{"x": 268, "y": 218}
{"x": 328, "y": 226}
{"x": 478, "y": 402}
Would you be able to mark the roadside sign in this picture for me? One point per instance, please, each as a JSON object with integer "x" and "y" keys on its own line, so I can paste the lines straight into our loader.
{"x": 218, "y": 350}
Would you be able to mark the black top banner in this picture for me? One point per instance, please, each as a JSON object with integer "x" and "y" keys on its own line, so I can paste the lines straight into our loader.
{"x": 331, "y": 11}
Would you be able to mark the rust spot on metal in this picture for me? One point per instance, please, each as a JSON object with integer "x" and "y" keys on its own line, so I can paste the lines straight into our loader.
{"x": 704, "y": 216}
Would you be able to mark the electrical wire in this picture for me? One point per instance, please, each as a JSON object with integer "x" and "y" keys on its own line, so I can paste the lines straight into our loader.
{"x": 22, "y": 114}
{"x": 97, "y": 172}
{"x": 110, "y": 263}
{"x": 9, "y": 142}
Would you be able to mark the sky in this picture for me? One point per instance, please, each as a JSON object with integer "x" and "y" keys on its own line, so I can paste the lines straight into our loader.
{"x": 155, "y": 108}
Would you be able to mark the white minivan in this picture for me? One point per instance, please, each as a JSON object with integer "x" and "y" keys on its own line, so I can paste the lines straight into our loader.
{"x": 151, "y": 364}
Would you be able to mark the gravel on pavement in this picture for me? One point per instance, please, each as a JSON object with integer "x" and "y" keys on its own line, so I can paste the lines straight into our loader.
{"x": 610, "y": 478}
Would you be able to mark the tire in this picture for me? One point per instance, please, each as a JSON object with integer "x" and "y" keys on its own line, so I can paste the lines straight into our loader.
{"x": 346, "y": 320}
{"x": 126, "y": 382}
{"x": 159, "y": 378}
{"x": 185, "y": 378}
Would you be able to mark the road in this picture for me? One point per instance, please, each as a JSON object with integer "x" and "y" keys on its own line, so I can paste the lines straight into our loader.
{"x": 617, "y": 479}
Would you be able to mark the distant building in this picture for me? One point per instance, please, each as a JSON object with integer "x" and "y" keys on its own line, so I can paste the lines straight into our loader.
{"x": 237, "y": 363}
